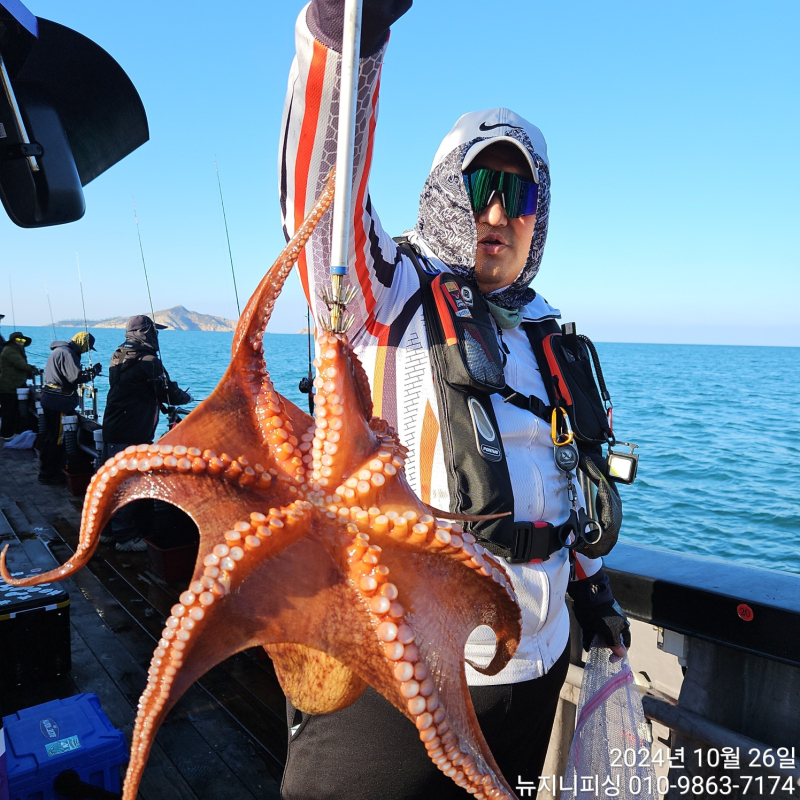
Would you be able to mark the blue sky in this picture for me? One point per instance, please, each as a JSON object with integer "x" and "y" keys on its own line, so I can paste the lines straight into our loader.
{"x": 671, "y": 128}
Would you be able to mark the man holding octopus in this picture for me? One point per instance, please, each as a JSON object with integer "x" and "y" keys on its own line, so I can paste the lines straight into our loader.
{"x": 482, "y": 220}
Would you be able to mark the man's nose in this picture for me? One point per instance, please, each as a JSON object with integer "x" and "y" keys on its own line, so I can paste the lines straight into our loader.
{"x": 494, "y": 214}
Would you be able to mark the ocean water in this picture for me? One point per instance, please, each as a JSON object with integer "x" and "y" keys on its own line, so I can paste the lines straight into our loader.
{"x": 718, "y": 430}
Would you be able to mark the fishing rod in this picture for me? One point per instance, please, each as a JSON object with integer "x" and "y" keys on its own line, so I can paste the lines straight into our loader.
{"x": 85, "y": 323}
{"x": 52, "y": 321}
{"x": 337, "y": 297}
{"x": 11, "y": 294}
{"x": 227, "y": 236}
{"x": 149, "y": 296}
{"x": 307, "y": 383}
{"x": 144, "y": 265}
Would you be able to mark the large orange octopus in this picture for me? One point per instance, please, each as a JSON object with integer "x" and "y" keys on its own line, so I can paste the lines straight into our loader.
{"x": 313, "y": 546}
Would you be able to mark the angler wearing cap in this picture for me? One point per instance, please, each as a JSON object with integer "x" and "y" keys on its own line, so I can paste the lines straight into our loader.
{"x": 139, "y": 385}
{"x": 14, "y": 373}
{"x": 2, "y": 340}
{"x": 62, "y": 376}
{"x": 462, "y": 277}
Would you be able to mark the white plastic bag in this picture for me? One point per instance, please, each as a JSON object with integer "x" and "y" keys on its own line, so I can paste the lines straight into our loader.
{"x": 610, "y": 754}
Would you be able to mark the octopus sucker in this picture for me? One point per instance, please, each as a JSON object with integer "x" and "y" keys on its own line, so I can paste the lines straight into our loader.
{"x": 312, "y": 546}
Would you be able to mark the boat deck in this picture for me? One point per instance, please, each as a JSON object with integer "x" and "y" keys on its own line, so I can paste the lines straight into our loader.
{"x": 225, "y": 738}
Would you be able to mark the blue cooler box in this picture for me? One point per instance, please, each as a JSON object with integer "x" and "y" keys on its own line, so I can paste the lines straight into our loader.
{"x": 3, "y": 774}
{"x": 43, "y": 741}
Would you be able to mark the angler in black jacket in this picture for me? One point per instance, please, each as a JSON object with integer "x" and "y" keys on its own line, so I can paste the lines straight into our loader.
{"x": 139, "y": 385}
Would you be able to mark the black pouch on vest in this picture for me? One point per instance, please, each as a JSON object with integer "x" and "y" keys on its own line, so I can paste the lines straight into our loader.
{"x": 566, "y": 363}
{"x": 469, "y": 349}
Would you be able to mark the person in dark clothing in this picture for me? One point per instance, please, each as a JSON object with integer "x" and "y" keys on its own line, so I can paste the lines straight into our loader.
{"x": 139, "y": 385}
{"x": 14, "y": 373}
{"x": 62, "y": 375}
{"x": 2, "y": 340}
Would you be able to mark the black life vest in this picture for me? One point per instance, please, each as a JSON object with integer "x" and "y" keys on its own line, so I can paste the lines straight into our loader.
{"x": 468, "y": 368}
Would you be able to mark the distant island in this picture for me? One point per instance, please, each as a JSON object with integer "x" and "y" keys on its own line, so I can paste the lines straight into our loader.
{"x": 177, "y": 318}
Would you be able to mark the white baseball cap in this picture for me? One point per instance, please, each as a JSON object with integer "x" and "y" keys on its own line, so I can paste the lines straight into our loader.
{"x": 478, "y": 124}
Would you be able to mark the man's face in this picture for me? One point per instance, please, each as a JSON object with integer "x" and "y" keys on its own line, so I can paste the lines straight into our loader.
{"x": 503, "y": 242}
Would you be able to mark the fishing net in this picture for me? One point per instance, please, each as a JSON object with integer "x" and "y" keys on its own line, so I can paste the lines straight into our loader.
{"x": 610, "y": 753}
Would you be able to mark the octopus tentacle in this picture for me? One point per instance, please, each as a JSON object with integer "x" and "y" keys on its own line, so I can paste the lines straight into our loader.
{"x": 278, "y": 432}
{"x": 420, "y": 700}
{"x": 103, "y": 493}
{"x": 258, "y": 310}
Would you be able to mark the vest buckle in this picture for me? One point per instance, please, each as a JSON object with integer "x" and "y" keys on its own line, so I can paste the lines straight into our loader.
{"x": 533, "y": 541}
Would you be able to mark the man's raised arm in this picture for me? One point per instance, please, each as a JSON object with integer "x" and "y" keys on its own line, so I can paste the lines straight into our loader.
{"x": 308, "y": 151}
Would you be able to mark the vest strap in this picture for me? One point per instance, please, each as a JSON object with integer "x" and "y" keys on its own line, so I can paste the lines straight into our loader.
{"x": 527, "y": 403}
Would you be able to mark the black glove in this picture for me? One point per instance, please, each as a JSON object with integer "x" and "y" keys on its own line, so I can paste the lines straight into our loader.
{"x": 326, "y": 17}
{"x": 598, "y": 613}
{"x": 97, "y": 369}
{"x": 608, "y": 622}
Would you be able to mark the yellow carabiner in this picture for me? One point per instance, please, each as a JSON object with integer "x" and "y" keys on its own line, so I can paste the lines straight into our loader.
{"x": 560, "y": 439}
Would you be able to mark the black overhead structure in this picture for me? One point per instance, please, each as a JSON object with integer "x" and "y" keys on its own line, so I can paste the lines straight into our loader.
{"x": 68, "y": 112}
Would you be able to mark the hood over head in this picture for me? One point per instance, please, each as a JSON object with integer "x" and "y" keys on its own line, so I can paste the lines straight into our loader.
{"x": 445, "y": 220}
{"x": 142, "y": 329}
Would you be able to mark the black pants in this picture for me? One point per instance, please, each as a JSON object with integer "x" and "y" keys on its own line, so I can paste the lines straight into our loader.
{"x": 52, "y": 452}
{"x": 370, "y": 750}
{"x": 9, "y": 411}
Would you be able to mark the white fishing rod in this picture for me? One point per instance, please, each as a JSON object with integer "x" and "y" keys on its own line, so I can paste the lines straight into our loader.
{"x": 337, "y": 297}
{"x": 52, "y": 321}
{"x": 85, "y": 322}
{"x": 227, "y": 236}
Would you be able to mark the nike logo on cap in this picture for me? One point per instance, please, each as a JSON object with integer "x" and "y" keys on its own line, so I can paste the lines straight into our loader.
{"x": 484, "y": 127}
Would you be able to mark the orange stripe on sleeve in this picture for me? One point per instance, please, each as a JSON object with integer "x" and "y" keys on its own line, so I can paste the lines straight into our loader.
{"x": 362, "y": 273}
{"x": 377, "y": 383}
{"x": 427, "y": 448}
{"x": 305, "y": 148}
